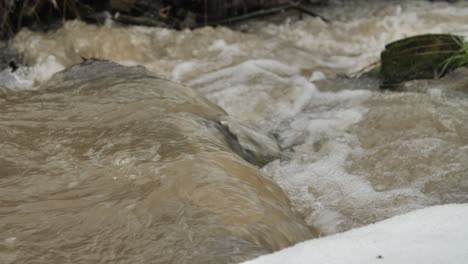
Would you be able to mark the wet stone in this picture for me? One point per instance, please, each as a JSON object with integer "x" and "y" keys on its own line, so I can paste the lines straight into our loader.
{"x": 419, "y": 57}
{"x": 9, "y": 58}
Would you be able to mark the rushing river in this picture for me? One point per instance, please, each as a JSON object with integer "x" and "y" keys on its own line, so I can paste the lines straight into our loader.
{"x": 128, "y": 168}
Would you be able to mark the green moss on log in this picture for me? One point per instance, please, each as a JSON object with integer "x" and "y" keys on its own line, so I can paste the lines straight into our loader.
{"x": 421, "y": 57}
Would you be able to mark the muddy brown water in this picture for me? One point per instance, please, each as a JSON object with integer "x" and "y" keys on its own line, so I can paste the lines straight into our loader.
{"x": 110, "y": 164}
{"x": 349, "y": 155}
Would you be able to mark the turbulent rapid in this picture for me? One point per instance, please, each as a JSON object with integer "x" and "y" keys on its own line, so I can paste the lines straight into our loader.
{"x": 120, "y": 166}
{"x": 126, "y": 165}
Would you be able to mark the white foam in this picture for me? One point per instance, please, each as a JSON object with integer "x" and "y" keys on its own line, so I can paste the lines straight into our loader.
{"x": 13, "y": 81}
{"x": 241, "y": 73}
{"x": 183, "y": 68}
{"x": 317, "y": 76}
{"x": 27, "y": 78}
{"x": 314, "y": 171}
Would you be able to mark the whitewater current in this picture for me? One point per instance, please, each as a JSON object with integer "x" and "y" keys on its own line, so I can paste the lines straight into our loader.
{"x": 351, "y": 154}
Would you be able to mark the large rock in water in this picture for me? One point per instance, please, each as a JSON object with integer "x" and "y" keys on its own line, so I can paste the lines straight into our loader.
{"x": 420, "y": 57}
{"x": 110, "y": 164}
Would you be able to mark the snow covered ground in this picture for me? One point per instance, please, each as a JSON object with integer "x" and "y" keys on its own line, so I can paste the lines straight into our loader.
{"x": 436, "y": 234}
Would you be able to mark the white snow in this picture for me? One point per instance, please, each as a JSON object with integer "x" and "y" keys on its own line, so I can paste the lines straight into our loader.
{"x": 437, "y": 234}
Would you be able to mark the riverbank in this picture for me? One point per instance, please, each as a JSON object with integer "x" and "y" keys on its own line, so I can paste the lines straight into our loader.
{"x": 46, "y": 15}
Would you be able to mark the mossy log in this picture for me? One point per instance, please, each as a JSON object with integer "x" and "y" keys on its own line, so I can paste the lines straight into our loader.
{"x": 419, "y": 57}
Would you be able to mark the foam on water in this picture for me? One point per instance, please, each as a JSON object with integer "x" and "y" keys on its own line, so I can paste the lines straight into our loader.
{"x": 27, "y": 78}
{"x": 350, "y": 157}
{"x": 317, "y": 145}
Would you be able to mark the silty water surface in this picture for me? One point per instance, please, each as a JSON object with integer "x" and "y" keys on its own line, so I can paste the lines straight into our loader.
{"x": 351, "y": 154}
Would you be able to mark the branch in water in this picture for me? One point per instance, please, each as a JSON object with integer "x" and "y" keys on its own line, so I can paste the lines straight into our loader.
{"x": 263, "y": 12}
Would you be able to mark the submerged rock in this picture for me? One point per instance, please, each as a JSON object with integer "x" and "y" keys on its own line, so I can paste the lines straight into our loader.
{"x": 107, "y": 163}
{"x": 254, "y": 147}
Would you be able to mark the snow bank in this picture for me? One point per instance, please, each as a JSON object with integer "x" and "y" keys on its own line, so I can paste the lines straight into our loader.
{"x": 436, "y": 234}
